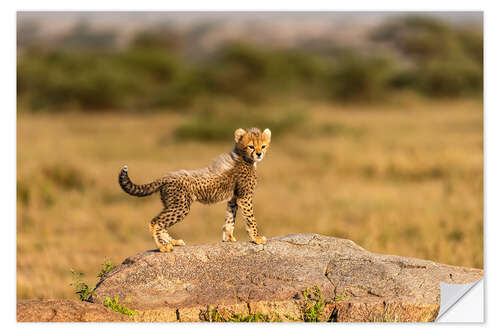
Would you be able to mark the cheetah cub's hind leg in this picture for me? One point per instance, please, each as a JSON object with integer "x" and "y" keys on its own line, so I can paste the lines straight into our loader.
{"x": 177, "y": 203}
{"x": 161, "y": 238}
{"x": 159, "y": 225}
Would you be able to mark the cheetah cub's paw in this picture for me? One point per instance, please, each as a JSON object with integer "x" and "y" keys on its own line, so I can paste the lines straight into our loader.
{"x": 259, "y": 240}
{"x": 229, "y": 238}
{"x": 166, "y": 248}
{"x": 227, "y": 234}
{"x": 177, "y": 242}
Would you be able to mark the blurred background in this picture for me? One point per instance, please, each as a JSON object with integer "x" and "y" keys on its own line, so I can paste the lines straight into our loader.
{"x": 377, "y": 122}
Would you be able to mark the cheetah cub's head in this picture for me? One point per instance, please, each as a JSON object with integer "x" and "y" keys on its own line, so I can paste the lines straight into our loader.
{"x": 252, "y": 144}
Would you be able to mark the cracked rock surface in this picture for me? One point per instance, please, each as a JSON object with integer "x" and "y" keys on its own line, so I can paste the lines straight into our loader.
{"x": 246, "y": 278}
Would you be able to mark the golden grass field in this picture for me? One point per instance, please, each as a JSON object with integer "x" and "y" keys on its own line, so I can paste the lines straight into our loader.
{"x": 402, "y": 179}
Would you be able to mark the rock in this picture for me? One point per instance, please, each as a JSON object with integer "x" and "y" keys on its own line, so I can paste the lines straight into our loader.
{"x": 65, "y": 310}
{"x": 243, "y": 278}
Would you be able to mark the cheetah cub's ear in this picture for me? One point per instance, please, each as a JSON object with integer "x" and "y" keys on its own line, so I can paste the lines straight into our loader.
{"x": 267, "y": 134}
{"x": 238, "y": 134}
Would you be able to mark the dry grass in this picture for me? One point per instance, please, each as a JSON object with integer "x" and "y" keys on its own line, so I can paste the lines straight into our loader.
{"x": 403, "y": 180}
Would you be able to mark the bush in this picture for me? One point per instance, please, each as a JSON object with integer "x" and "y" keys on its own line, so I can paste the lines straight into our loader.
{"x": 361, "y": 79}
{"x": 445, "y": 61}
{"x": 419, "y": 37}
{"x": 472, "y": 43}
{"x": 450, "y": 77}
{"x": 217, "y": 125}
{"x": 66, "y": 177}
{"x": 428, "y": 56}
{"x": 237, "y": 70}
{"x": 64, "y": 78}
{"x": 185, "y": 87}
{"x": 253, "y": 74}
{"x": 157, "y": 65}
{"x": 23, "y": 192}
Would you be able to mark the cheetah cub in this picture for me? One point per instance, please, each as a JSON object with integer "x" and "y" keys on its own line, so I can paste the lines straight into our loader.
{"x": 231, "y": 176}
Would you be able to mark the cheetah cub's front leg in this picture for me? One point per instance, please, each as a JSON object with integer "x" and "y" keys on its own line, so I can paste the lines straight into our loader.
{"x": 246, "y": 206}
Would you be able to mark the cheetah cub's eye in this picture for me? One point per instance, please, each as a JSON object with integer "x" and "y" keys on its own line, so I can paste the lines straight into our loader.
{"x": 263, "y": 146}
{"x": 251, "y": 147}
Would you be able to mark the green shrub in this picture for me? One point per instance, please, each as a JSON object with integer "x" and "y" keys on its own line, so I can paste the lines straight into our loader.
{"x": 238, "y": 70}
{"x": 66, "y": 78}
{"x": 419, "y": 37}
{"x": 82, "y": 289}
{"x": 315, "y": 305}
{"x": 23, "y": 193}
{"x": 182, "y": 91}
{"x": 444, "y": 61}
{"x": 106, "y": 267}
{"x": 157, "y": 71}
{"x": 361, "y": 79}
{"x": 472, "y": 44}
{"x": 159, "y": 65}
{"x": 65, "y": 176}
{"x": 216, "y": 125}
{"x": 449, "y": 77}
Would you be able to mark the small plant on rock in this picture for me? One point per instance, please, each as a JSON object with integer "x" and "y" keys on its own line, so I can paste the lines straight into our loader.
{"x": 214, "y": 315}
{"x": 342, "y": 297}
{"x": 117, "y": 307}
{"x": 106, "y": 267}
{"x": 313, "y": 307}
{"x": 82, "y": 289}
{"x": 315, "y": 304}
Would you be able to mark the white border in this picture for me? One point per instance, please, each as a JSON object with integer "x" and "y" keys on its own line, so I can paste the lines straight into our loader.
{"x": 8, "y": 132}
{"x": 273, "y": 5}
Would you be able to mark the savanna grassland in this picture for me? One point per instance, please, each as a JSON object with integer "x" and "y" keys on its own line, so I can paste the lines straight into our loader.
{"x": 404, "y": 179}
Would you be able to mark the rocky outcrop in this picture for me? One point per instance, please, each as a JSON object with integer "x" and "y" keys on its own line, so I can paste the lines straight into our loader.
{"x": 65, "y": 310}
{"x": 243, "y": 278}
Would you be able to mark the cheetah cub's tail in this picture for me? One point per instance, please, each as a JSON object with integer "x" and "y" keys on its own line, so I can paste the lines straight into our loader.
{"x": 138, "y": 190}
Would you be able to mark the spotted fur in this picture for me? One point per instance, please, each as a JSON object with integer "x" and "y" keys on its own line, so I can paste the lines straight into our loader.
{"x": 230, "y": 176}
